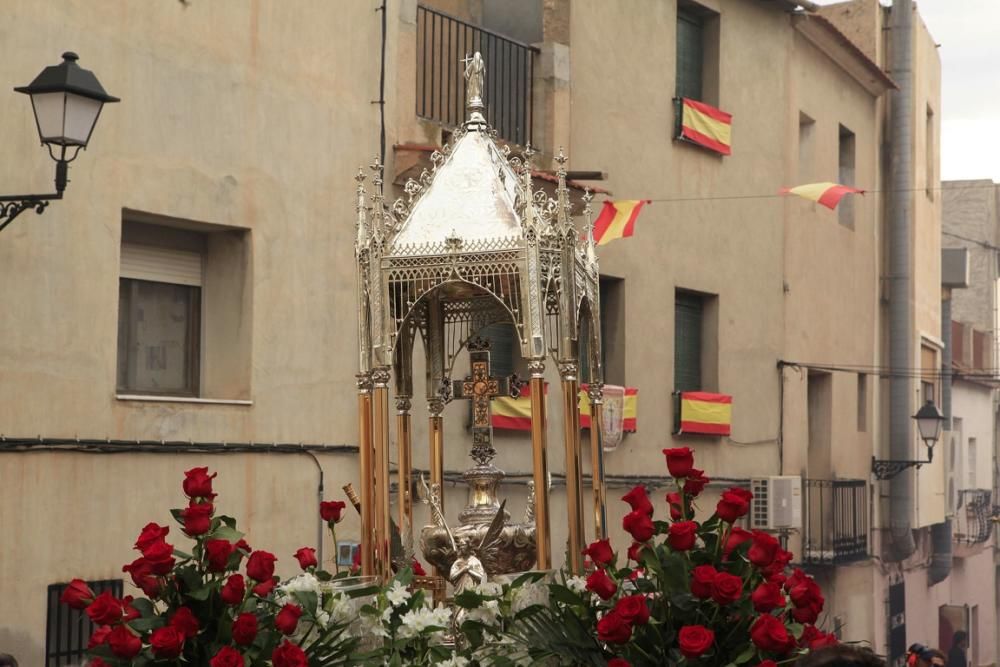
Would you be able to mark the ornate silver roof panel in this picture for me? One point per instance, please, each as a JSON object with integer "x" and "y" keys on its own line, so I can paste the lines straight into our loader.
{"x": 471, "y": 197}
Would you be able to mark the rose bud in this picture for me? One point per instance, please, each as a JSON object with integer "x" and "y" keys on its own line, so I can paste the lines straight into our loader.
{"x": 198, "y": 483}
{"x": 260, "y": 565}
{"x": 682, "y": 535}
{"x": 638, "y": 500}
{"x": 600, "y": 552}
{"x": 245, "y": 629}
{"x": 306, "y": 557}
{"x": 166, "y": 642}
{"x": 694, "y": 640}
{"x": 331, "y": 511}
{"x": 233, "y": 590}
{"x": 600, "y": 583}
{"x": 680, "y": 461}
{"x": 288, "y": 618}
{"x": 77, "y": 594}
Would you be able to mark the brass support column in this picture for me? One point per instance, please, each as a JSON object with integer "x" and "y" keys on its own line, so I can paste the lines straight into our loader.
{"x": 380, "y": 437}
{"x": 367, "y": 465}
{"x": 405, "y": 469}
{"x": 436, "y": 431}
{"x": 596, "y": 394}
{"x": 540, "y": 464}
{"x": 574, "y": 476}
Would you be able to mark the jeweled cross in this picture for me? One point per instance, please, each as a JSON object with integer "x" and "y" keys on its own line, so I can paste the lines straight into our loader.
{"x": 481, "y": 388}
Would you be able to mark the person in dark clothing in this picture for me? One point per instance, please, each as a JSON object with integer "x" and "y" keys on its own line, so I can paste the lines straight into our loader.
{"x": 842, "y": 655}
{"x": 959, "y": 645}
{"x": 7, "y": 660}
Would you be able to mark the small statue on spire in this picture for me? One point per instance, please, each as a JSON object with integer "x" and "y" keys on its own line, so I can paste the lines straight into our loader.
{"x": 475, "y": 81}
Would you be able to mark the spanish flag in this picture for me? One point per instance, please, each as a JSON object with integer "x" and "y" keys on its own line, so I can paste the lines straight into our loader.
{"x": 704, "y": 413}
{"x": 617, "y": 219}
{"x": 513, "y": 413}
{"x": 828, "y": 194}
{"x": 706, "y": 126}
{"x": 630, "y": 409}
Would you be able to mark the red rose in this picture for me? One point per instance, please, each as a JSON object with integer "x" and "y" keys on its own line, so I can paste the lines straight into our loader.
{"x": 726, "y": 588}
{"x": 763, "y": 550}
{"x": 613, "y": 629}
{"x": 197, "y": 518}
{"x": 160, "y": 557}
{"x": 619, "y": 662}
{"x": 695, "y": 482}
{"x": 142, "y": 576}
{"x": 770, "y": 634}
{"x": 777, "y": 566}
{"x": 123, "y": 642}
{"x": 638, "y": 500}
{"x": 701, "y": 581}
{"x": 600, "y": 552}
{"x": 99, "y": 637}
{"x": 639, "y": 525}
{"x": 680, "y": 461}
{"x": 233, "y": 590}
{"x": 97, "y": 662}
{"x": 217, "y": 552}
{"x": 633, "y": 609}
{"x": 737, "y": 536}
{"x": 600, "y": 583}
{"x": 129, "y": 613}
{"x": 804, "y": 591}
{"x": 167, "y": 642}
{"x": 813, "y": 638}
{"x": 105, "y": 609}
{"x": 767, "y": 663}
{"x": 683, "y": 535}
{"x": 694, "y": 640}
{"x": 198, "y": 483}
{"x": 306, "y": 557}
{"x": 245, "y": 629}
{"x": 289, "y": 655}
{"x": 734, "y": 503}
{"x": 676, "y": 505}
{"x": 243, "y": 546}
{"x": 185, "y": 622}
{"x": 77, "y": 594}
{"x": 264, "y": 587}
{"x": 227, "y": 657}
{"x": 331, "y": 511}
{"x": 260, "y": 566}
{"x": 807, "y": 614}
{"x": 635, "y": 551}
{"x": 417, "y": 568}
{"x": 288, "y": 618}
{"x": 150, "y": 533}
{"x": 767, "y": 597}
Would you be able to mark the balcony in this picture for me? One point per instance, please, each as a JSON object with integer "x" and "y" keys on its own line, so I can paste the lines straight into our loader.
{"x": 443, "y": 41}
{"x": 835, "y": 521}
{"x": 974, "y": 517}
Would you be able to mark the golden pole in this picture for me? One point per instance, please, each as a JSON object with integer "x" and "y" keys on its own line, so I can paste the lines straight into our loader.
{"x": 574, "y": 478}
{"x": 380, "y": 436}
{"x": 543, "y": 539}
{"x": 366, "y": 456}
{"x": 436, "y": 430}
{"x": 405, "y": 469}
{"x": 596, "y": 395}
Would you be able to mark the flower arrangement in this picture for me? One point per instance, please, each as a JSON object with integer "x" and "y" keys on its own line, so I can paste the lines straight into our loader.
{"x": 699, "y": 593}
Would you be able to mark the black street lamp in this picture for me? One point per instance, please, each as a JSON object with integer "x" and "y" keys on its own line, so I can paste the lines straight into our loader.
{"x": 67, "y": 101}
{"x": 929, "y": 420}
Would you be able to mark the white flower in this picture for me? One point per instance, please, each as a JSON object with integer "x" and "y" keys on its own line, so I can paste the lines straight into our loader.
{"x": 303, "y": 583}
{"x": 489, "y": 588}
{"x": 487, "y": 613}
{"x": 342, "y": 610}
{"x": 457, "y": 661}
{"x": 529, "y": 595}
{"x": 398, "y": 594}
{"x": 576, "y": 584}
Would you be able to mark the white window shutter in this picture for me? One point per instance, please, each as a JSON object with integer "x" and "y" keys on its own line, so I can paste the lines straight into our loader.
{"x": 163, "y": 265}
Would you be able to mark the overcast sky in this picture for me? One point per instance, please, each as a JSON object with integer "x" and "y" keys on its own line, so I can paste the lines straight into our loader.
{"x": 967, "y": 32}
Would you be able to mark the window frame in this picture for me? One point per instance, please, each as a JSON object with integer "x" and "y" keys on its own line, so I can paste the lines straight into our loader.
{"x": 56, "y": 656}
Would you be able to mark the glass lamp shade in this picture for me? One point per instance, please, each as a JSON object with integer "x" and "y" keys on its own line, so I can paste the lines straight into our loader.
{"x": 65, "y": 119}
{"x": 929, "y": 421}
{"x": 67, "y": 100}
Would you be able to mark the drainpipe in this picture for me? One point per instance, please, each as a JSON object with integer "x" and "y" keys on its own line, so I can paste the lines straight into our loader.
{"x": 901, "y": 486}
{"x": 946, "y": 360}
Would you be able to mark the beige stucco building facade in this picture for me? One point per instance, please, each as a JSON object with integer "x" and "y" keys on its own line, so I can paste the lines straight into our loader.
{"x": 240, "y": 128}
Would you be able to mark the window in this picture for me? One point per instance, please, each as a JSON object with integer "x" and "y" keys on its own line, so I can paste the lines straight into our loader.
{"x": 612, "y": 334}
{"x": 68, "y": 630}
{"x": 695, "y": 341}
{"x": 929, "y": 366}
{"x": 503, "y": 341}
{"x": 845, "y": 175}
{"x": 697, "y": 74}
{"x": 970, "y": 468}
{"x": 184, "y": 309}
{"x": 862, "y": 402}
{"x": 807, "y": 140}
{"x": 819, "y": 402}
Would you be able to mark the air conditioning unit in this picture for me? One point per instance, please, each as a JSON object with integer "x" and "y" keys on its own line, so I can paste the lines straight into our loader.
{"x": 777, "y": 502}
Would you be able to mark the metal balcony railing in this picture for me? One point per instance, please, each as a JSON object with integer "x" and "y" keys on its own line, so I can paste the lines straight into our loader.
{"x": 835, "y": 521}
{"x": 443, "y": 41}
{"x": 974, "y": 523}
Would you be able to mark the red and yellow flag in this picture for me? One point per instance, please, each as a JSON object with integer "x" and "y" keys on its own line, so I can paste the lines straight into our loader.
{"x": 617, "y": 219}
{"x": 705, "y": 413}
{"x": 706, "y": 126}
{"x": 629, "y": 411}
{"x": 515, "y": 413}
{"x": 828, "y": 194}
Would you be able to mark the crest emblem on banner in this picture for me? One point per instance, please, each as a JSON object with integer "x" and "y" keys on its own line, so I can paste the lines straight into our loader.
{"x": 614, "y": 416}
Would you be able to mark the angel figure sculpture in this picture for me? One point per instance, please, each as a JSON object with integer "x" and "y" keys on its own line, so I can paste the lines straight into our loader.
{"x": 475, "y": 76}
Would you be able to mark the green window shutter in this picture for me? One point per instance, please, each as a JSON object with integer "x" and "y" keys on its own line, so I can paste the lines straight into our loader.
{"x": 502, "y": 340}
{"x": 690, "y": 53}
{"x": 687, "y": 342}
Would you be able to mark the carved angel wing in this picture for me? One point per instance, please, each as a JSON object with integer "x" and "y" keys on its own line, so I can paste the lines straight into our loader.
{"x": 492, "y": 537}
{"x": 431, "y": 498}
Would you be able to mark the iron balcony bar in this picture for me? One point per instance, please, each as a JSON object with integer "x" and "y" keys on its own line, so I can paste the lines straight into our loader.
{"x": 835, "y": 529}
{"x": 884, "y": 469}
{"x": 12, "y": 206}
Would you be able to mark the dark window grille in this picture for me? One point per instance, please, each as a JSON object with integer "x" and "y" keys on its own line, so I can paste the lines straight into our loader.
{"x": 688, "y": 314}
{"x": 442, "y": 42}
{"x": 835, "y": 527}
{"x": 976, "y": 526}
{"x": 68, "y": 630}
